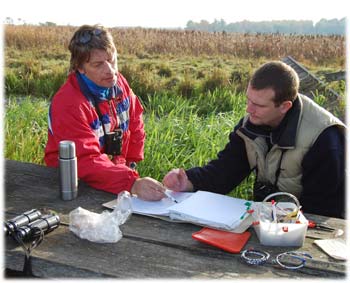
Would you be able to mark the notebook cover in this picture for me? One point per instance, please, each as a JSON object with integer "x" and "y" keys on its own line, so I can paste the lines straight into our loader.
{"x": 228, "y": 241}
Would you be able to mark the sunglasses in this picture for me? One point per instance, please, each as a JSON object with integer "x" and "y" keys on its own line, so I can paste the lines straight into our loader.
{"x": 86, "y": 36}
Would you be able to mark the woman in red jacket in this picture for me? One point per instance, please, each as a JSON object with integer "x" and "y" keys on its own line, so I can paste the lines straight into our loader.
{"x": 97, "y": 110}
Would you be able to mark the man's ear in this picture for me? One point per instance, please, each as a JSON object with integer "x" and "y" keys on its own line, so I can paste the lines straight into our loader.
{"x": 285, "y": 106}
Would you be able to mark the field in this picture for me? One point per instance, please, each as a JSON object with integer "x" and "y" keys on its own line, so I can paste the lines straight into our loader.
{"x": 191, "y": 84}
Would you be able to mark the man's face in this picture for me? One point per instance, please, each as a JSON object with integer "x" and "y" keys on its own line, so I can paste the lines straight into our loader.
{"x": 261, "y": 107}
{"x": 101, "y": 68}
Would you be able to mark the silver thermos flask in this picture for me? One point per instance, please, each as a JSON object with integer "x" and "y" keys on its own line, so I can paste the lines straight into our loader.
{"x": 68, "y": 170}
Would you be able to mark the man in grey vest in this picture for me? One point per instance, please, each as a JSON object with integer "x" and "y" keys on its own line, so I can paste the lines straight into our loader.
{"x": 292, "y": 144}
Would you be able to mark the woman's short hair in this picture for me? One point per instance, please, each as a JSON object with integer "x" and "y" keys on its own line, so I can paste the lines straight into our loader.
{"x": 85, "y": 39}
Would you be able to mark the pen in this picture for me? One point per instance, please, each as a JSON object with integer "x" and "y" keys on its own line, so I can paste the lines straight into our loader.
{"x": 167, "y": 193}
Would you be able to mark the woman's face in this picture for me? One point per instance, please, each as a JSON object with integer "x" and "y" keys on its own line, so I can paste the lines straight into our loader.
{"x": 101, "y": 68}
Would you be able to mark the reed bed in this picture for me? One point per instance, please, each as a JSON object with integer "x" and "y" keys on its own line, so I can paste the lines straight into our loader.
{"x": 315, "y": 49}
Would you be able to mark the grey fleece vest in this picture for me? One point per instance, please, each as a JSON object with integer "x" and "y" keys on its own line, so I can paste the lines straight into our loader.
{"x": 313, "y": 120}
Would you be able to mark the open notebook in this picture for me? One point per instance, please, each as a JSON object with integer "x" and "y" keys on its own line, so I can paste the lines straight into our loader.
{"x": 201, "y": 208}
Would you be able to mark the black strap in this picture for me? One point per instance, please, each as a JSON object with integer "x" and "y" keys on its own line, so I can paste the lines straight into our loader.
{"x": 27, "y": 266}
{"x": 90, "y": 97}
{"x": 100, "y": 117}
{"x": 278, "y": 171}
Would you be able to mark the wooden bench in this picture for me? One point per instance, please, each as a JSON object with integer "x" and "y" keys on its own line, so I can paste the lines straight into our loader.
{"x": 309, "y": 83}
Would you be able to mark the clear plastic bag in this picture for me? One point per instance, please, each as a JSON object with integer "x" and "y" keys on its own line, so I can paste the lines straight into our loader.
{"x": 104, "y": 227}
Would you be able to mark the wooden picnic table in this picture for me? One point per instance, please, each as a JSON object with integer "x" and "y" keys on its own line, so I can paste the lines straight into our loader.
{"x": 150, "y": 247}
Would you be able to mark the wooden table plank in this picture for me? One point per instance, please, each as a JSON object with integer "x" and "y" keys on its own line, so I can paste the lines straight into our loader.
{"x": 135, "y": 259}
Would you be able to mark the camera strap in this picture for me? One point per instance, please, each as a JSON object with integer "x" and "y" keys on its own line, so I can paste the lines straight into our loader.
{"x": 90, "y": 97}
{"x": 98, "y": 111}
{"x": 278, "y": 171}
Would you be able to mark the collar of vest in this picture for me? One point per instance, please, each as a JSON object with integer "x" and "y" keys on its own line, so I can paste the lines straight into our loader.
{"x": 284, "y": 135}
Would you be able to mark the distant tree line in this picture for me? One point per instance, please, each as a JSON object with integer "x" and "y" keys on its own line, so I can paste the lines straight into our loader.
{"x": 323, "y": 27}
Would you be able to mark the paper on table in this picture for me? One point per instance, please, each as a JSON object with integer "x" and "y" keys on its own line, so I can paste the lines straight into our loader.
{"x": 160, "y": 207}
{"x": 211, "y": 209}
{"x": 201, "y": 208}
{"x": 336, "y": 248}
{"x": 157, "y": 207}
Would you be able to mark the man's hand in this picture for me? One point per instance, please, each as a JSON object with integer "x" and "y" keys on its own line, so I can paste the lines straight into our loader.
{"x": 148, "y": 189}
{"x": 177, "y": 180}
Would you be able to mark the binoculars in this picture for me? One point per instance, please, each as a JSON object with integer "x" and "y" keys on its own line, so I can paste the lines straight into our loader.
{"x": 31, "y": 224}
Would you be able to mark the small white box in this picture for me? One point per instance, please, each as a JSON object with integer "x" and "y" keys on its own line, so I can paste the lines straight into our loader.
{"x": 282, "y": 234}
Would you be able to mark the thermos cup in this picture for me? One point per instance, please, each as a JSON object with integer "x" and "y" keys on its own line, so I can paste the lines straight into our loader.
{"x": 68, "y": 170}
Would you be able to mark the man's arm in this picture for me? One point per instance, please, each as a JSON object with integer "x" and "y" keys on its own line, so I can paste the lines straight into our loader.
{"x": 323, "y": 177}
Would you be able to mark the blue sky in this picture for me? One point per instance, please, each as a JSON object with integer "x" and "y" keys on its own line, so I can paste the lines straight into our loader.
{"x": 168, "y": 13}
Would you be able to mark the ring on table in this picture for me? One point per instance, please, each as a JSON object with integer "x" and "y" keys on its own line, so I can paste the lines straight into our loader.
{"x": 294, "y": 254}
{"x": 255, "y": 257}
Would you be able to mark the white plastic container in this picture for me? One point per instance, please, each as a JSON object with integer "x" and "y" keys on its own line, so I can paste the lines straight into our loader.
{"x": 282, "y": 234}
{"x": 273, "y": 228}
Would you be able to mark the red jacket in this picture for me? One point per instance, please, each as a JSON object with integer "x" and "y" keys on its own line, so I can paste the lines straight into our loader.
{"x": 73, "y": 117}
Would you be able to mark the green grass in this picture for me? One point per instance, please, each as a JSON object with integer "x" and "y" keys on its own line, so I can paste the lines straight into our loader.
{"x": 25, "y": 129}
{"x": 179, "y": 133}
{"x": 191, "y": 105}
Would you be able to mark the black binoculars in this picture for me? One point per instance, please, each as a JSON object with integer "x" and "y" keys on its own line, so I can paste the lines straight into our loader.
{"x": 113, "y": 142}
{"x": 31, "y": 224}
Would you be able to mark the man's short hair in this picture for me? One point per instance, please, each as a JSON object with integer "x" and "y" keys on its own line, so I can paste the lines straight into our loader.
{"x": 85, "y": 39}
{"x": 278, "y": 76}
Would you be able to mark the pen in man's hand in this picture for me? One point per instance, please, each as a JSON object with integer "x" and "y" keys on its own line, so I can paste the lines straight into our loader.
{"x": 167, "y": 193}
